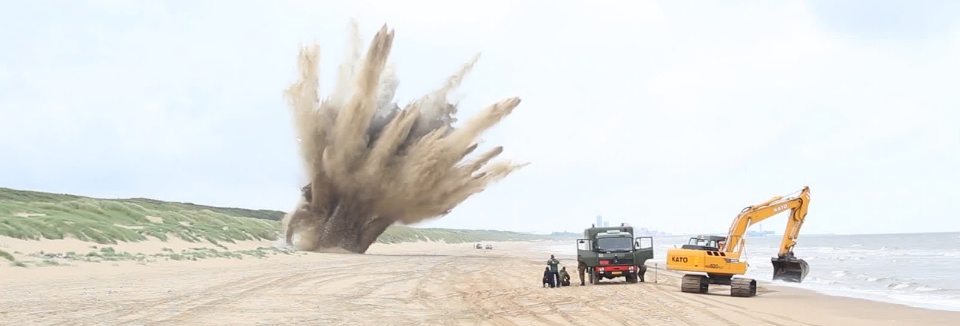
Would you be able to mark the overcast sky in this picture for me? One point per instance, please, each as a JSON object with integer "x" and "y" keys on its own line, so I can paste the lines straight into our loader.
{"x": 666, "y": 114}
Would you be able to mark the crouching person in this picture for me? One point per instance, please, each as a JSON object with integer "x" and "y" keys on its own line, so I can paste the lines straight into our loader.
{"x": 548, "y": 278}
{"x": 564, "y": 277}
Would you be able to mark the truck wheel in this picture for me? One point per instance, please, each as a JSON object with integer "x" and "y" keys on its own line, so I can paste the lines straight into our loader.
{"x": 595, "y": 277}
{"x": 631, "y": 278}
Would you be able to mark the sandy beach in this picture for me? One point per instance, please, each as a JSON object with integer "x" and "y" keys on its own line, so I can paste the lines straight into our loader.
{"x": 402, "y": 284}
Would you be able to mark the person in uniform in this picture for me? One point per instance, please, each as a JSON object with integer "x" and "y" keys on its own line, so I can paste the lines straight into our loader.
{"x": 553, "y": 266}
{"x": 581, "y": 269}
{"x": 564, "y": 277}
{"x": 547, "y": 277}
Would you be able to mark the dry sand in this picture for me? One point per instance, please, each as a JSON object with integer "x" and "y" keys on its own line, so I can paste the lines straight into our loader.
{"x": 405, "y": 284}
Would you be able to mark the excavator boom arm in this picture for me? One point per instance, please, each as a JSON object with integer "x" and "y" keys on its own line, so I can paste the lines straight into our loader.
{"x": 797, "y": 216}
{"x": 786, "y": 266}
{"x": 758, "y": 213}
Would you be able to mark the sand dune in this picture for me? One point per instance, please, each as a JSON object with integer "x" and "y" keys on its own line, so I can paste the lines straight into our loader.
{"x": 406, "y": 284}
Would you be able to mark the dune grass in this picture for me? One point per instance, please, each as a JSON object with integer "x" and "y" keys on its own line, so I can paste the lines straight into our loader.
{"x": 34, "y": 215}
{"x": 6, "y": 255}
{"x": 39, "y": 215}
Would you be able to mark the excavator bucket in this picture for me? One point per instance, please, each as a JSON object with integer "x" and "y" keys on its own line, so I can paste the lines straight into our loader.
{"x": 789, "y": 269}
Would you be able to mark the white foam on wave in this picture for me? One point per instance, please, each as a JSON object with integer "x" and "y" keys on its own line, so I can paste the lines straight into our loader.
{"x": 919, "y": 299}
{"x": 898, "y": 286}
{"x": 857, "y": 252}
{"x": 923, "y": 288}
{"x": 869, "y": 273}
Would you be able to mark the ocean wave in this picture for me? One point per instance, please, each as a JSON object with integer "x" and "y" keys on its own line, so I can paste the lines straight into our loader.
{"x": 924, "y": 288}
{"x": 859, "y": 280}
{"x": 893, "y": 252}
{"x": 929, "y": 298}
{"x": 827, "y": 255}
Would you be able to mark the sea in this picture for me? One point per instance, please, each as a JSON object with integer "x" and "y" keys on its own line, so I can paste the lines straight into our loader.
{"x": 916, "y": 270}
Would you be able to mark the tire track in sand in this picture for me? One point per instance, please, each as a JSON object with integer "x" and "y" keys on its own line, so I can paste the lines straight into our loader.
{"x": 670, "y": 286}
{"x": 142, "y": 311}
{"x": 709, "y": 303}
{"x": 182, "y": 310}
{"x": 177, "y": 310}
{"x": 121, "y": 309}
{"x": 450, "y": 272}
{"x": 654, "y": 307}
{"x": 509, "y": 299}
{"x": 494, "y": 305}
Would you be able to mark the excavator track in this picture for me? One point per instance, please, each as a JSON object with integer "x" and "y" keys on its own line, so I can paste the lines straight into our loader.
{"x": 694, "y": 284}
{"x": 743, "y": 287}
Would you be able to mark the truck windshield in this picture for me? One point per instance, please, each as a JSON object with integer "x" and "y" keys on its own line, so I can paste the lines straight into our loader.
{"x": 618, "y": 244}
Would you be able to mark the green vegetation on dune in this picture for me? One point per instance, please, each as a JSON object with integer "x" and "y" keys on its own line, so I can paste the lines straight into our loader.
{"x": 38, "y": 215}
{"x": 35, "y": 215}
{"x": 24, "y": 196}
{"x": 6, "y": 255}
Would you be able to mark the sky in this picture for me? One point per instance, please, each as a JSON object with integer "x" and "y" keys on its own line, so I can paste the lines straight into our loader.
{"x": 671, "y": 115}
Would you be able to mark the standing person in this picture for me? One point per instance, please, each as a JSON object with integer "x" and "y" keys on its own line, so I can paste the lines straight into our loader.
{"x": 581, "y": 268}
{"x": 554, "y": 269}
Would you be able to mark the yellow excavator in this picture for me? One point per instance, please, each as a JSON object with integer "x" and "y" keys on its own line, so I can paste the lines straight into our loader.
{"x": 719, "y": 257}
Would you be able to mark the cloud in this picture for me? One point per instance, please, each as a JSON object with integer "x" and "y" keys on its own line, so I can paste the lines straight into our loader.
{"x": 652, "y": 112}
{"x": 695, "y": 114}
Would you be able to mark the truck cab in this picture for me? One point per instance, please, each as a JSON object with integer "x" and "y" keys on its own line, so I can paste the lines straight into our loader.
{"x": 612, "y": 252}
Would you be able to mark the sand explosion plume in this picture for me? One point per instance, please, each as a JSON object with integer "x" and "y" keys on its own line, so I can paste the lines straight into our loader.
{"x": 373, "y": 164}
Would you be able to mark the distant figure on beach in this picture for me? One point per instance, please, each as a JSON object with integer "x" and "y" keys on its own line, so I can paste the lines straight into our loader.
{"x": 554, "y": 265}
{"x": 547, "y": 277}
{"x": 581, "y": 269}
{"x": 564, "y": 277}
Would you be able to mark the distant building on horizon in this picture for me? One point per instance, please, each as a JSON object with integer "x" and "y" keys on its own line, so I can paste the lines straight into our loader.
{"x": 599, "y": 221}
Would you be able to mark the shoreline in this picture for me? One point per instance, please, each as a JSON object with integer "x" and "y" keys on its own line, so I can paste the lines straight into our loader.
{"x": 658, "y": 263}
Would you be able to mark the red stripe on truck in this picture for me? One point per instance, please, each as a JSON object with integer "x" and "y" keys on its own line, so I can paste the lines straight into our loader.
{"x": 614, "y": 268}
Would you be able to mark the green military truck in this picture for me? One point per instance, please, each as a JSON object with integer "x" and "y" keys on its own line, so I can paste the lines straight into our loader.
{"x": 611, "y": 252}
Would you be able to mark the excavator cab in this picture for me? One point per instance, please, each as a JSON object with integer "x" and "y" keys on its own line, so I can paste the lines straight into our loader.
{"x": 788, "y": 268}
{"x": 705, "y": 242}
